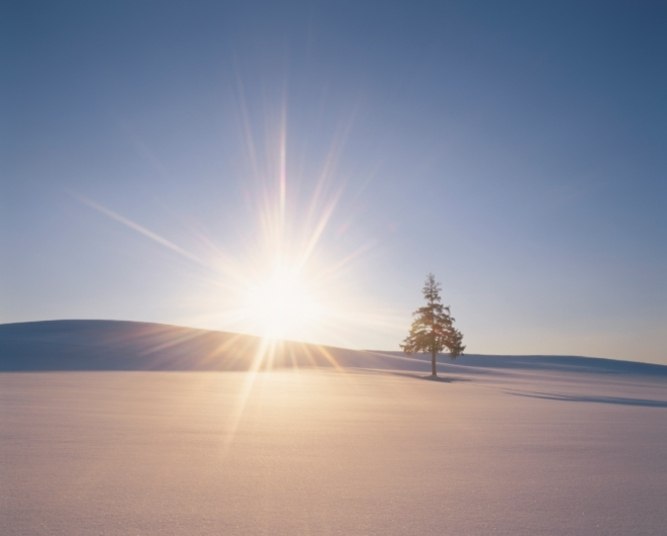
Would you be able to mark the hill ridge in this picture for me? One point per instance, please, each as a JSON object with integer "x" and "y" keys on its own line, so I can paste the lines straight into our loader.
{"x": 100, "y": 344}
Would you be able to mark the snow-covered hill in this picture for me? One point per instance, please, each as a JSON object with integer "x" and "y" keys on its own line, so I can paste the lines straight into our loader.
{"x": 124, "y": 438}
{"x": 121, "y": 345}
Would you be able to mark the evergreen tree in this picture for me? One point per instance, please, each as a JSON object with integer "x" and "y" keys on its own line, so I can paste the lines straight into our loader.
{"x": 433, "y": 328}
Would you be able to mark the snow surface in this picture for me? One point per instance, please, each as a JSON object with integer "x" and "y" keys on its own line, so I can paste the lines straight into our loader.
{"x": 507, "y": 446}
{"x": 314, "y": 452}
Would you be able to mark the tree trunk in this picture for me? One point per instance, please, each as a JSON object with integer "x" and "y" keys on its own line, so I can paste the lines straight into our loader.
{"x": 433, "y": 371}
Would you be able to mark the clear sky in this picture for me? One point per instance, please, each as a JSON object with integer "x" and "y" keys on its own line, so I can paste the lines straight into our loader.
{"x": 201, "y": 163}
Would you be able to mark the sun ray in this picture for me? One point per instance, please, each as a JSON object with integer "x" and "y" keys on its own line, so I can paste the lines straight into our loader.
{"x": 282, "y": 167}
{"x": 250, "y": 378}
{"x": 140, "y": 229}
{"x": 247, "y": 129}
{"x": 281, "y": 281}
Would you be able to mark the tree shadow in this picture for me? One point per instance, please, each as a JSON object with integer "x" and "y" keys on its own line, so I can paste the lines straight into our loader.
{"x": 430, "y": 377}
{"x": 596, "y": 399}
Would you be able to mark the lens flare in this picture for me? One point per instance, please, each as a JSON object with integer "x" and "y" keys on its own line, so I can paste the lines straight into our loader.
{"x": 282, "y": 305}
{"x": 273, "y": 273}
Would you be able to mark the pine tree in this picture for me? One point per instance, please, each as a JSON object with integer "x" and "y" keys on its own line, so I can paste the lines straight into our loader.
{"x": 433, "y": 328}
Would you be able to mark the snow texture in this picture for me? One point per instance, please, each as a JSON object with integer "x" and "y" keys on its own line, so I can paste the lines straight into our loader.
{"x": 509, "y": 446}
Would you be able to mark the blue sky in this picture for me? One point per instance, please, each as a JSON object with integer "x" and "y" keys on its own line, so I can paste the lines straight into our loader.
{"x": 153, "y": 154}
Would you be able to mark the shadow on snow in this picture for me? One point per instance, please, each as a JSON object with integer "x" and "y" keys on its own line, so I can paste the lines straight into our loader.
{"x": 596, "y": 399}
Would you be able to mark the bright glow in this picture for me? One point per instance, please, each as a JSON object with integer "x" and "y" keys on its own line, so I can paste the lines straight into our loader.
{"x": 272, "y": 274}
{"x": 283, "y": 306}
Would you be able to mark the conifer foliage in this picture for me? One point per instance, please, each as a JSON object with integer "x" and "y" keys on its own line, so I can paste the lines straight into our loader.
{"x": 433, "y": 328}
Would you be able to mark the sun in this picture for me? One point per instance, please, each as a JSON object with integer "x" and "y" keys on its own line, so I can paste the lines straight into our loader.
{"x": 283, "y": 304}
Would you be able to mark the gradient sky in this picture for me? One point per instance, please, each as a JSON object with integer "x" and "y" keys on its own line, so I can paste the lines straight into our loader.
{"x": 517, "y": 150}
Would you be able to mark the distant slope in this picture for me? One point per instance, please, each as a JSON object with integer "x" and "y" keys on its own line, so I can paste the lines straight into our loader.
{"x": 555, "y": 363}
{"x": 119, "y": 345}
